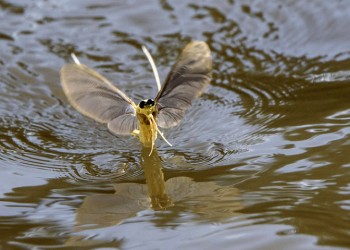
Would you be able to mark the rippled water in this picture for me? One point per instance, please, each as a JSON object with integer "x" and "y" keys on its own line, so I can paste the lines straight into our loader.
{"x": 259, "y": 162}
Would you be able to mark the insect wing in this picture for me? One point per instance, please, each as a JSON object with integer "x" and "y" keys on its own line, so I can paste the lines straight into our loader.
{"x": 185, "y": 82}
{"x": 94, "y": 96}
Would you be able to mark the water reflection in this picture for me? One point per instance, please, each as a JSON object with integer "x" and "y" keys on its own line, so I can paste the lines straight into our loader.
{"x": 155, "y": 180}
{"x": 206, "y": 199}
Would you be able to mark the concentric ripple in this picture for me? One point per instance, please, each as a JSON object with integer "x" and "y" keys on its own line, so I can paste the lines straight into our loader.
{"x": 42, "y": 146}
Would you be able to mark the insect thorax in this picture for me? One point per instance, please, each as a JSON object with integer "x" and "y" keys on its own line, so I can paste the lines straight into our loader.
{"x": 146, "y": 113}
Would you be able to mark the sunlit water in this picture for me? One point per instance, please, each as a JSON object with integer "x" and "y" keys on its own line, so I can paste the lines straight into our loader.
{"x": 261, "y": 161}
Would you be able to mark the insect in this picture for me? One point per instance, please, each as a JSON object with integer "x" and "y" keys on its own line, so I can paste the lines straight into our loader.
{"x": 94, "y": 96}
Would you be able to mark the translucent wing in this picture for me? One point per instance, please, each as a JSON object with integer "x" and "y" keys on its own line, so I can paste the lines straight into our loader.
{"x": 94, "y": 96}
{"x": 185, "y": 82}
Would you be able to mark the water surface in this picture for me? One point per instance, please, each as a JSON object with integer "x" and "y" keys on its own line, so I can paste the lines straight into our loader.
{"x": 259, "y": 162}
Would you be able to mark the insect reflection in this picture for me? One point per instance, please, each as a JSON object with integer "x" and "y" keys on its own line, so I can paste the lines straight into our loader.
{"x": 94, "y": 96}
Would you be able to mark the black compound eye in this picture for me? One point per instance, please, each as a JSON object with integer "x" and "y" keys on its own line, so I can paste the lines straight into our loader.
{"x": 150, "y": 102}
{"x": 142, "y": 104}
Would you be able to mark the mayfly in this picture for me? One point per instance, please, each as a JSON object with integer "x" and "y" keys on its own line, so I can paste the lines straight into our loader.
{"x": 94, "y": 96}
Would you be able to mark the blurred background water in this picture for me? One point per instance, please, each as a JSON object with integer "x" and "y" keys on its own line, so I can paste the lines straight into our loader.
{"x": 259, "y": 162}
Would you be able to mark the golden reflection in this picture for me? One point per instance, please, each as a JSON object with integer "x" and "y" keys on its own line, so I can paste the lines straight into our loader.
{"x": 205, "y": 200}
{"x": 156, "y": 186}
